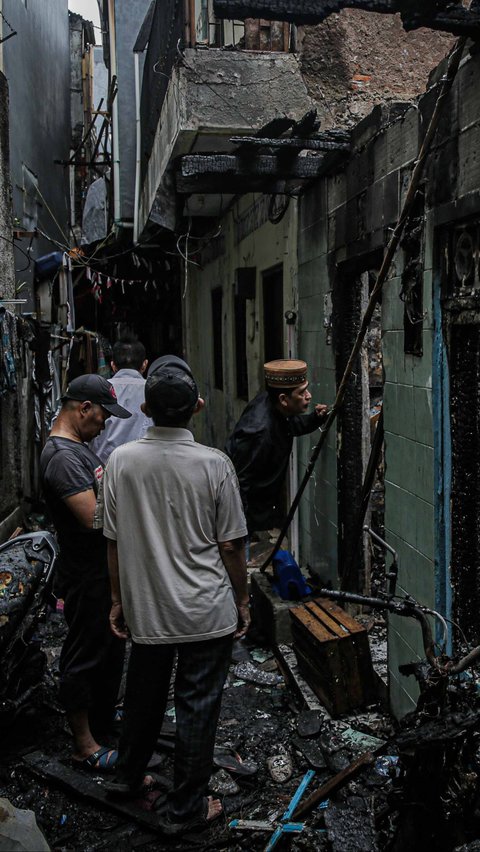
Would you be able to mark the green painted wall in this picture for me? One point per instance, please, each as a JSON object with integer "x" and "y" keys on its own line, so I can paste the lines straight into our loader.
{"x": 265, "y": 247}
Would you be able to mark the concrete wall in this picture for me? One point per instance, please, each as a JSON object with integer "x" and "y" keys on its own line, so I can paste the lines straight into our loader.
{"x": 215, "y": 95}
{"x": 37, "y": 67}
{"x": 343, "y": 219}
{"x": 355, "y": 60}
{"x": 7, "y": 282}
{"x": 128, "y": 20}
{"x": 264, "y": 247}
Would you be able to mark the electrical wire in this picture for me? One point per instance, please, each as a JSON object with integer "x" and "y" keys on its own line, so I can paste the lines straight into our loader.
{"x": 14, "y": 244}
{"x": 61, "y": 231}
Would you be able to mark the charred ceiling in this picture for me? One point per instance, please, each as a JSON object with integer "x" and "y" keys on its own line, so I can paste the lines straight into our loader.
{"x": 450, "y": 17}
{"x": 261, "y": 161}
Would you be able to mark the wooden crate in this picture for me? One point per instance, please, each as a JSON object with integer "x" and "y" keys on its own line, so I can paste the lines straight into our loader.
{"x": 333, "y": 655}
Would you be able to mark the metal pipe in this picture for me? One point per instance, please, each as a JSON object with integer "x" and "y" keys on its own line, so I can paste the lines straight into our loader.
{"x": 115, "y": 140}
{"x": 405, "y": 608}
{"x": 136, "y": 58}
{"x": 465, "y": 662}
{"x": 442, "y": 622}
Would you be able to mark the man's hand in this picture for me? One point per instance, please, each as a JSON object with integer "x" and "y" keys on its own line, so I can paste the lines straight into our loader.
{"x": 117, "y": 622}
{"x": 243, "y": 620}
{"x": 321, "y": 411}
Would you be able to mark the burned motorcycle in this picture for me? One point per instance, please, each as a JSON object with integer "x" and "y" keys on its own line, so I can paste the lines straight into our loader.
{"x": 26, "y": 569}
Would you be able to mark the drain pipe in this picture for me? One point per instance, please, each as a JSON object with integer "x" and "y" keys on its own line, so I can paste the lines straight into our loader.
{"x": 291, "y": 318}
{"x": 115, "y": 140}
{"x": 136, "y": 207}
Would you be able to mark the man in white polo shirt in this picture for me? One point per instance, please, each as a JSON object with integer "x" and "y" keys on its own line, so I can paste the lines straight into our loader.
{"x": 175, "y": 526}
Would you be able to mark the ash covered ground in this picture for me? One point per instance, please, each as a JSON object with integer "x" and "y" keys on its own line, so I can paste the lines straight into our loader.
{"x": 258, "y": 721}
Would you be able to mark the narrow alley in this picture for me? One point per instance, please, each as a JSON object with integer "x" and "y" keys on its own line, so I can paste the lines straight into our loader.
{"x": 239, "y": 431}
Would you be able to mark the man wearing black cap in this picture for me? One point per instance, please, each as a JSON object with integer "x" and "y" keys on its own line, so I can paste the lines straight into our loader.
{"x": 91, "y": 659}
{"x": 261, "y": 442}
{"x": 175, "y": 527}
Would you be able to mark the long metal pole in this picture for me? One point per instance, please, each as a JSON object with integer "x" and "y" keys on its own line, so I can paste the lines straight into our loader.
{"x": 446, "y": 85}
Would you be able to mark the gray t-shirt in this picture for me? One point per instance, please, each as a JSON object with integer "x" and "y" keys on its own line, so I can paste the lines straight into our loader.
{"x": 168, "y": 501}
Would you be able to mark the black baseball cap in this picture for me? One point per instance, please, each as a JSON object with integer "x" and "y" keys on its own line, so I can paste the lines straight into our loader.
{"x": 98, "y": 390}
{"x": 170, "y": 387}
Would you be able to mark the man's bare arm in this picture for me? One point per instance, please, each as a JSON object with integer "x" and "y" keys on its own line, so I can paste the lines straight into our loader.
{"x": 233, "y": 557}
{"x": 82, "y": 505}
{"x": 117, "y": 621}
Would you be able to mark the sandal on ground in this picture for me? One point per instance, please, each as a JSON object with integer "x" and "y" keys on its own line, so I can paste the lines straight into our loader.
{"x": 227, "y": 758}
{"x": 199, "y": 823}
{"x": 102, "y": 760}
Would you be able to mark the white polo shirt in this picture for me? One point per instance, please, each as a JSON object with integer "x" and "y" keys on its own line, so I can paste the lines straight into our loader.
{"x": 168, "y": 501}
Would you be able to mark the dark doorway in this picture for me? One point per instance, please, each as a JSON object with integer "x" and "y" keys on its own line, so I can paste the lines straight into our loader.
{"x": 458, "y": 251}
{"x": 465, "y": 408}
{"x": 273, "y": 320}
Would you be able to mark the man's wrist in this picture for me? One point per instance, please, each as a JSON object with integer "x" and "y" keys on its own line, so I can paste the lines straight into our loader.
{"x": 116, "y": 603}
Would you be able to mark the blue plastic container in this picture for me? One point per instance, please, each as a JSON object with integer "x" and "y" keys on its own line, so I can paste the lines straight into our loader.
{"x": 289, "y": 582}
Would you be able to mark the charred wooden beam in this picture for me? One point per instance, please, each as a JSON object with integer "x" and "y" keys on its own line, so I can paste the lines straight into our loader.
{"x": 320, "y": 143}
{"x": 263, "y": 165}
{"x": 295, "y": 11}
{"x": 437, "y": 14}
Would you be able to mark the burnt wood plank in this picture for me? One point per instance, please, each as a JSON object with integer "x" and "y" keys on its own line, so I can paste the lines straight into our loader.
{"x": 319, "y": 143}
{"x": 339, "y": 614}
{"x": 436, "y": 14}
{"x": 87, "y": 786}
{"x": 262, "y": 165}
{"x": 329, "y": 623}
{"x": 307, "y": 620}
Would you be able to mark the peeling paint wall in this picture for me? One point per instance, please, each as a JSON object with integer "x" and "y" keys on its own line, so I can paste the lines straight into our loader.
{"x": 355, "y": 60}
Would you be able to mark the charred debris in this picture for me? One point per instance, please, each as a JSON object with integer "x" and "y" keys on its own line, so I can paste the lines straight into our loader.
{"x": 289, "y": 771}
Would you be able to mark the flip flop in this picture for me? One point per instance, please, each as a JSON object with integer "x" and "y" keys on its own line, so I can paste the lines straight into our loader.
{"x": 226, "y": 758}
{"x": 102, "y": 760}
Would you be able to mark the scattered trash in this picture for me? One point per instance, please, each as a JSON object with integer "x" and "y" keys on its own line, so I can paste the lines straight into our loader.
{"x": 19, "y": 830}
{"x": 280, "y": 765}
{"x": 311, "y": 751}
{"x": 309, "y": 723}
{"x": 286, "y": 826}
{"x": 387, "y": 765}
{"x": 251, "y": 673}
{"x": 260, "y": 655}
{"x": 222, "y": 784}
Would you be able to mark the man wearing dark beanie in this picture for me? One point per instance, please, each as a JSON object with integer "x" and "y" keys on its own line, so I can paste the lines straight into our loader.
{"x": 175, "y": 527}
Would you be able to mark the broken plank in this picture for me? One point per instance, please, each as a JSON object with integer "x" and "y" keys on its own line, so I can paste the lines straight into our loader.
{"x": 87, "y": 786}
{"x": 454, "y": 19}
{"x": 296, "y": 11}
{"x": 334, "y": 784}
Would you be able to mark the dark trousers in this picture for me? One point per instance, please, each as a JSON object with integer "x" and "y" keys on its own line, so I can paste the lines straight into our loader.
{"x": 202, "y": 669}
{"x": 91, "y": 660}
